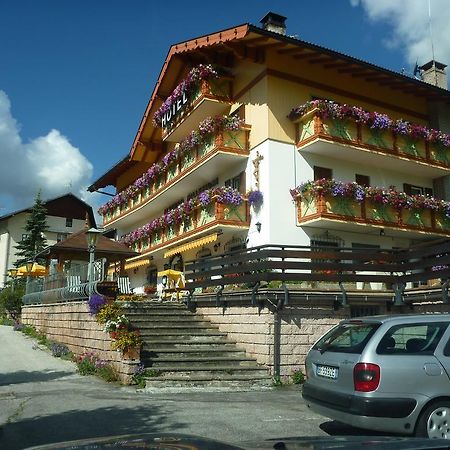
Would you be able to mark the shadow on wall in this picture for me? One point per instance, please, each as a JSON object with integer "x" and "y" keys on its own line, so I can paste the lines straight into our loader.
{"x": 82, "y": 424}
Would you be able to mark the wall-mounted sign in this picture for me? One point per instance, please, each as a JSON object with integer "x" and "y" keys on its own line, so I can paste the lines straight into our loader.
{"x": 174, "y": 110}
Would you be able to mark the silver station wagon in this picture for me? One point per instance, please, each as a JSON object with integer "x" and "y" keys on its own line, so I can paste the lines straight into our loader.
{"x": 384, "y": 373}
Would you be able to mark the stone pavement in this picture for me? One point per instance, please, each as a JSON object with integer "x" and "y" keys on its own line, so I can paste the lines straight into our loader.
{"x": 44, "y": 400}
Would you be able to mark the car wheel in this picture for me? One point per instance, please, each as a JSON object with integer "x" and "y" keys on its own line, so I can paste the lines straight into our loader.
{"x": 434, "y": 421}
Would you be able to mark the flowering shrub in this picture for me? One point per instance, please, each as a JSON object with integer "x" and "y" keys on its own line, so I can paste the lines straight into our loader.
{"x": 225, "y": 195}
{"x": 206, "y": 129}
{"x": 192, "y": 80}
{"x": 125, "y": 339}
{"x": 110, "y": 311}
{"x": 327, "y": 109}
{"x": 389, "y": 196}
{"x": 255, "y": 198}
{"x": 96, "y": 302}
{"x": 121, "y": 322}
{"x": 59, "y": 350}
{"x": 90, "y": 364}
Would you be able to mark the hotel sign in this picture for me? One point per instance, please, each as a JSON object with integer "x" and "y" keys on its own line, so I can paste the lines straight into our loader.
{"x": 174, "y": 110}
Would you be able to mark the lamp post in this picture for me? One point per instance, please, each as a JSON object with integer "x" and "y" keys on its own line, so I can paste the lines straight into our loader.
{"x": 29, "y": 265}
{"x": 92, "y": 238}
{"x": 13, "y": 274}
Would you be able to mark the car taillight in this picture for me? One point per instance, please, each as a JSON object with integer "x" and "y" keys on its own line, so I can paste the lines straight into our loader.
{"x": 366, "y": 377}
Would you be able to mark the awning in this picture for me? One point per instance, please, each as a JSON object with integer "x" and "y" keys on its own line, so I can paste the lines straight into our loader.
{"x": 192, "y": 244}
{"x": 138, "y": 263}
{"x": 36, "y": 271}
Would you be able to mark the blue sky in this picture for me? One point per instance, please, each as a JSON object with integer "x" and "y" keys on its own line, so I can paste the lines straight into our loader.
{"x": 85, "y": 69}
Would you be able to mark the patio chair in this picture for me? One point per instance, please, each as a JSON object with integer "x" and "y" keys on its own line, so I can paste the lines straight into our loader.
{"x": 123, "y": 283}
{"x": 73, "y": 284}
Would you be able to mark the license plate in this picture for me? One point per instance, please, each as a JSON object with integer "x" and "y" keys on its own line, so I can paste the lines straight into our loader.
{"x": 327, "y": 372}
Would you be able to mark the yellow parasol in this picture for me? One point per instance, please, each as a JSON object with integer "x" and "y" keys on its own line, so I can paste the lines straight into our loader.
{"x": 36, "y": 271}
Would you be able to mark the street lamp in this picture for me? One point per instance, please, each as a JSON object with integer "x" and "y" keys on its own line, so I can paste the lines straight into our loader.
{"x": 92, "y": 238}
{"x": 12, "y": 274}
{"x": 29, "y": 266}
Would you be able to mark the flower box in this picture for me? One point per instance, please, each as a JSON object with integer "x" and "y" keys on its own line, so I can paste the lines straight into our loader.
{"x": 420, "y": 218}
{"x": 411, "y": 146}
{"x": 381, "y": 213}
{"x": 377, "y": 137}
{"x": 440, "y": 153}
{"x": 341, "y": 128}
{"x": 343, "y": 206}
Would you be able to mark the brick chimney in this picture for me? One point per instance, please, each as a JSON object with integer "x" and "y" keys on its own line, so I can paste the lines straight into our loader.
{"x": 433, "y": 72}
{"x": 274, "y": 22}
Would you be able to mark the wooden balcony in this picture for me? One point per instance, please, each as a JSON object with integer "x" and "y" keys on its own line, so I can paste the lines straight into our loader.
{"x": 347, "y": 214}
{"x": 200, "y": 221}
{"x": 348, "y": 140}
{"x": 225, "y": 150}
{"x": 211, "y": 98}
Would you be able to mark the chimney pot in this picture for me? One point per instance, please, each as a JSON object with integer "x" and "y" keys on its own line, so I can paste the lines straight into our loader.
{"x": 274, "y": 22}
{"x": 433, "y": 72}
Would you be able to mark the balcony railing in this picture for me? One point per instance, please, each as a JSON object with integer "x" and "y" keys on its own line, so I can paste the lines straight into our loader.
{"x": 200, "y": 219}
{"x": 230, "y": 143}
{"x": 207, "y": 98}
{"x": 414, "y": 142}
{"x": 372, "y": 206}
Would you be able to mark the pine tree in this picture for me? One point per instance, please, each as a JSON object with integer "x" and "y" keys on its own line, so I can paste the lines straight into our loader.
{"x": 35, "y": 228}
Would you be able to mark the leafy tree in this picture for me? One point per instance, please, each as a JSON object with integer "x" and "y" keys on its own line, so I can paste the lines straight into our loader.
{"x": 35, "y": 228}
{"x": 11, "y": 300}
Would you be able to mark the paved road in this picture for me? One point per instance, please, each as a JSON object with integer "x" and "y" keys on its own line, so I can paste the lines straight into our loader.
{"x": 43, "y": 400}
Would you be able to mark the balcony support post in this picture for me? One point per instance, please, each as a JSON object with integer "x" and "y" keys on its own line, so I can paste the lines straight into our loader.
{"x": 399, "y": 290}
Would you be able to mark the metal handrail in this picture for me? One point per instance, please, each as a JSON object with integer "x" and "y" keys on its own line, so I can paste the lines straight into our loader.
{"x": 73, "y": 284}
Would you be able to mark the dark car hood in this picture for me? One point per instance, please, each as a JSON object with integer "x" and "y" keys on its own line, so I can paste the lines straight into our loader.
{"x": 175, "y": 441}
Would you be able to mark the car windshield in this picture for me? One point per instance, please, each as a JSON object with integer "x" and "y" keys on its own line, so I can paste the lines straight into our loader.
{"x": 349, "y": 337}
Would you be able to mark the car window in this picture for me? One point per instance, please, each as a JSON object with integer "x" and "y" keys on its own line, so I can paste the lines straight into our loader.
{"x": 347, "y": 338}
{"x": 412, "y": 338}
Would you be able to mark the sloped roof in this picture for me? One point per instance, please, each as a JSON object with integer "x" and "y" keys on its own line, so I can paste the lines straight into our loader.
{"x": 77, "y": 243}
{"x": 56, "y": 207}
{"x": 254, "y": 39}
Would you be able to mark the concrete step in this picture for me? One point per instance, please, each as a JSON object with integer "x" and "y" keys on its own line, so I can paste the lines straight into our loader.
{"x": 218, "y": 380}
{"x": 170, "y": 322}
{"x": 151, "y": 312}
{"x": 197, "y": 341}
{"x": 180, "y": 334}
{"x": 168, "y": 364}
{"x": 189, "y": 353}
{"x": 189, "y": 346}
{"x": 215, "y": 372}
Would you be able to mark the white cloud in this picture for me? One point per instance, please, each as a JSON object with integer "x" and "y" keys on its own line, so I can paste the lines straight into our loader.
{"x": 48, "y": 163}
{"x": 409, "y": 20}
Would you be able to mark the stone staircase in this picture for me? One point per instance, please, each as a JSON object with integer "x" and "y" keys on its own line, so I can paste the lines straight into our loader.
{"x": 182, "y": 349}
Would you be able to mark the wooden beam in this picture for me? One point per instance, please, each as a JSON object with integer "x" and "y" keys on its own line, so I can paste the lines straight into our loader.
{"x": 336, "y": 65}
{"x": 321, "y": 59}
{"x": 273, "y": 46}
{"x": 362, "y": 74}
{"x": 305, "y": 55}
{"x": 255, "y": 40}
{"x": 289, "y": 51}
{"x": 377, "y": 77}
{"x": 352, "y": 69}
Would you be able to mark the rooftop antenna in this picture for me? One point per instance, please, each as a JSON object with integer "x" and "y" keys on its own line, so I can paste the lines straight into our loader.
{"x": 431, "y": 38}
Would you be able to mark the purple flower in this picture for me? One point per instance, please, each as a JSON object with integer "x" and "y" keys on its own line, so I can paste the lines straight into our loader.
{"x": 255, "y": 198}
{"x": 96, "y": 302}
{"x": 204, "y": 198}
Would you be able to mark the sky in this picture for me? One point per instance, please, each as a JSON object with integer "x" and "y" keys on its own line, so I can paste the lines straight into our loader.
{"x": 76, "y": 75}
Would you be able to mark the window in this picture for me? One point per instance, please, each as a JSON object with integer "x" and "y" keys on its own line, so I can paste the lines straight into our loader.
{"x": 152, "y": 276}
{"x": 410, "y": 189}
{"x": 347, "y": 338}
{"x": 412, "y": 338}
{"x": 209, "y": 185}
{"x": 362, "y": 180}
{"x": 364, "y": 310}
{"x": 61, "y": 236}
{"x": 237, "y": 182}
{"x": 69, "y": 222}
{"x": 322, "y": 172}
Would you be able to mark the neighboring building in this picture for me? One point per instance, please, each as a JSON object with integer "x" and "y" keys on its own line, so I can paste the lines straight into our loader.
{"x": 264, "y": 75}
{"x": 66, "y": 214}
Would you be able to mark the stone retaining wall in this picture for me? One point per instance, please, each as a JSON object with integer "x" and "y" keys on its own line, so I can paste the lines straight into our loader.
{"x": 72, "y": 325}
{"x": 271, "y": 337}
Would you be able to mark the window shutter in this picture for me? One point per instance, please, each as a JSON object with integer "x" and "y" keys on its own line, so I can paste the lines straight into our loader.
{"x": 407, "y": 188}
